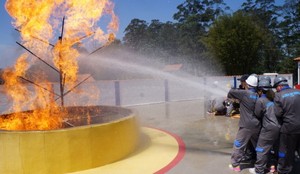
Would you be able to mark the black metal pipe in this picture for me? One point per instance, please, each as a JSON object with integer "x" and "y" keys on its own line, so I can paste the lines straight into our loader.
{"x": 83, "y": 37}
{"x": 37, "y": 57}
{"x": 62, "y": 28}
{"x": 75, "y": 86}
{"x": 37, "y": 85}
{"x": 97, "y": 50}
{"x": 38, "y": 39}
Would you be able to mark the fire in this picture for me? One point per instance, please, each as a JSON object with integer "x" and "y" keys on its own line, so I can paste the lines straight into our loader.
{"x": 17, "y": 91}
{"x": 51, "y": 28}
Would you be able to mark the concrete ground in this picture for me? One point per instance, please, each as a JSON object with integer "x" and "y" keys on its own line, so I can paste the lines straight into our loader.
{"x": 208, "y": 139}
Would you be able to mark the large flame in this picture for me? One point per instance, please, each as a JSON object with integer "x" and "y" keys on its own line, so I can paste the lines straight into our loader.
{"x": 51, "y": 28}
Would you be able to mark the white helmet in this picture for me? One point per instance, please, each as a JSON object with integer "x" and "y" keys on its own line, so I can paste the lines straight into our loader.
{"x": 252, "y": 80}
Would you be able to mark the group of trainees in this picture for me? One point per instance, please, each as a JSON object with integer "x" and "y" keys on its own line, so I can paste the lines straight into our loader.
{"x": 269, "y": 121}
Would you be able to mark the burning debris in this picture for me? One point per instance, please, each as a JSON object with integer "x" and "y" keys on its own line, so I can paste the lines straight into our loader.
{"x": 49, "y": 31}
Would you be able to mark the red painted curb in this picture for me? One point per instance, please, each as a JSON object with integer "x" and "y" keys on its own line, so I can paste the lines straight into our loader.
{"x": 179, "y": 156}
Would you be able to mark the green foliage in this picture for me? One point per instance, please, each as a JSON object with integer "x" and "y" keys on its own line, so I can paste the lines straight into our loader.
{"x": 202, "y": 12}
{"x": 156, "y": 39}
{"x": 176, "y": 42}
{"x": 237, "y": 42}
{"x": 135, "y": 34}
{"x": 287, "y": 65}
{"x": 260, "y": 37}
{"x": 290, "y": 28}
{"x": 264, "y": 11}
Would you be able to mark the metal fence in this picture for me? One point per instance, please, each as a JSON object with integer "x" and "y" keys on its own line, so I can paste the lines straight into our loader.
{"x": 145, "y": 91}
{"x": 149, "y": 91}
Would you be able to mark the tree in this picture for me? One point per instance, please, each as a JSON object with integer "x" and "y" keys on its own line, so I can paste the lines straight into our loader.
{"x": 157, "y": 40}
{"x": 202, "y": 12}
{"x": 264, "y": 11}
{"x": 163, "y": 39}
{"x": 135, "y": 34}
{"x": 153, "y": 34}
{"x": 267, "y": 13}
{"x": 290, "y": 28}
{"x": 289, "y": 33}
{"x": 237, "y": 41}
{"x": 194, "y": 19}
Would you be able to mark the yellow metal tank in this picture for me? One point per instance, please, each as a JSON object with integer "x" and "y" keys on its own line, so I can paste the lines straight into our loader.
{"x": 71, "y": 149}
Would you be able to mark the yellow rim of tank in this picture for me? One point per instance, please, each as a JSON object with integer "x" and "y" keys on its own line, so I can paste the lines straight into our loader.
{"x": 68, "y": 150}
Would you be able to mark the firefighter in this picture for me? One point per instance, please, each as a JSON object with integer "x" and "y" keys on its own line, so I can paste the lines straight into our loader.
{"x": 249, "y": 125}
{"x": 250, "y": 154}
{"x": 287, "y": 111}
{"x": 243, "y": 81}
{"x": 222, "y": 106}
{"x": 217, "y": 106}
{"x": 269, "y": 133}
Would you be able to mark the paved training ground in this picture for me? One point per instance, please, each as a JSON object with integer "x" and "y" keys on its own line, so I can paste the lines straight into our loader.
{"x": 178, "y": 137}
{"x": 158, "y": 153}
{"x": 183, "y": 139}
{"x": 208, "y": 139}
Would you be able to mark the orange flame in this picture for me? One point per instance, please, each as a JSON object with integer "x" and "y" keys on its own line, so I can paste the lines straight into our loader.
{"x": 17, "y": 91}
{"x": 40, "y": 24}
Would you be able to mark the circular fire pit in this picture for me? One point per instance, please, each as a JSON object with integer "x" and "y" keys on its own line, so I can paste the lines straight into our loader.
{"x": 107, "y": 135}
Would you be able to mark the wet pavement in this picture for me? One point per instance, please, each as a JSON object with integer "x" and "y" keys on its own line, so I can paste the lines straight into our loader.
{"x": 208, "y": 138}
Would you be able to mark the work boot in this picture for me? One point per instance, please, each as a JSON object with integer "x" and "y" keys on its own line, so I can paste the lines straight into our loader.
{"x": 252, "y": 171}
{"x": 236, "y": 169}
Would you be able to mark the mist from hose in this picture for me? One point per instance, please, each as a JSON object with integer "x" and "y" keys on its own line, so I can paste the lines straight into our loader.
{"x": 119, "y": 62}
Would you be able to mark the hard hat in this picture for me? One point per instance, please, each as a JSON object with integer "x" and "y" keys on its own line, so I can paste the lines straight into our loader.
{"x": 279, "y": 80}
{"x": 265, "y": 78}
{"x": 264, "y": 83}
{"x": 252, "y": 80}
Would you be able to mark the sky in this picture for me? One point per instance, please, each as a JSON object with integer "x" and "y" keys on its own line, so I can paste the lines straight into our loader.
{"x": 126, "y": 10}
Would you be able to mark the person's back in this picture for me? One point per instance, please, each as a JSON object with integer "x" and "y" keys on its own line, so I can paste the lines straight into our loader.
{"x": 287, "y": 109}
{"x": 249, "y": 125}
{"x": 269, "y": 133}
{"x": 269, "y": 121}
{"x": 247, "y": 99}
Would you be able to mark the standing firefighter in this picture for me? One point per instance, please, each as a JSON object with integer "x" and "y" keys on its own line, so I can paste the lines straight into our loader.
{"x": 264, "y": 110}
{"x": 249, "y": 125}
{"x": 287, "y": 110}
{"x": 243, "y": 81}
